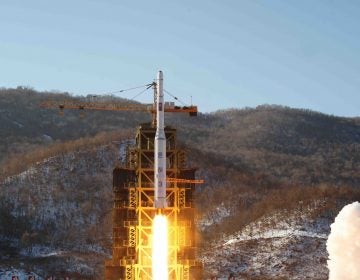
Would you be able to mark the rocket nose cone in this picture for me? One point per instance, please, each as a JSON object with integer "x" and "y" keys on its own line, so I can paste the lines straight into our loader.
{"x": 160, "y": 74}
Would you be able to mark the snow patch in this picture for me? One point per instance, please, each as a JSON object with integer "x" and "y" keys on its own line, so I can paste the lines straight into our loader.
{"x": 47, "y": 137}
{"x": 20, "y": 125}
{"x": 21, "y": 274}
{"x": 276, "y": 234}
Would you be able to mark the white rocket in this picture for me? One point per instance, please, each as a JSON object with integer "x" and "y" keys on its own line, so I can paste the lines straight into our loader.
{"x": 160, "y": 147}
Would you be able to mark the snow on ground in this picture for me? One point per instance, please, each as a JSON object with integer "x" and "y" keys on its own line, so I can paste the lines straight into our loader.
{"x": 273, "y": 233}
{"x": 20, "y": 125}
{"x": 47, "y": 137}
{"x": 123, "y": 146}
{"x": 7, "y": 274}
{"x": 40, "y": 251}
{"x": 216, "y": 216}
{"x": 60, "y": 205}
{"x": 278, "y": 246}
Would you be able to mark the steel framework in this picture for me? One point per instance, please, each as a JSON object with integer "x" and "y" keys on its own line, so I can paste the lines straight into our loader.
{"x": 134, "y": 211}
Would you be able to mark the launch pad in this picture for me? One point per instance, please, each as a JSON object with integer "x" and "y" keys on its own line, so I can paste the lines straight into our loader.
{"x": 134, "y": 211}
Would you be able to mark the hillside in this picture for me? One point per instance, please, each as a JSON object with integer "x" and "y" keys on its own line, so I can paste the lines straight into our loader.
{"x": 26, "y": 126}
{"x": 290, "y": 145}
{"x": 56, "y": 218}
{"x": 275, "y": 179}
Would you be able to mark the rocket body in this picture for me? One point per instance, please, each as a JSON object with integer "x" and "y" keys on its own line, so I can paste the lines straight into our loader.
{"x": 160, "y": 147}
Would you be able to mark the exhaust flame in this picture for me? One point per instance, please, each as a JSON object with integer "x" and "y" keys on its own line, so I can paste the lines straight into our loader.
{"x": 343, "y": 244}
{"x": 160, "y": 248}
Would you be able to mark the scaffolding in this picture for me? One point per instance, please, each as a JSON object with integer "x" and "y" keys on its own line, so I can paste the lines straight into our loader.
{"x": 133, "y": 212}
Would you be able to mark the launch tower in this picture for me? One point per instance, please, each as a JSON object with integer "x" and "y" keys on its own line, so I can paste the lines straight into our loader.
{"x": 143, "y": 190}
{"x": 134, "y": 210}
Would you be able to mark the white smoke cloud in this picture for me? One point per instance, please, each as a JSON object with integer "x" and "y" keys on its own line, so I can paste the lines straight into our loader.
{"x": 343, "y": 244}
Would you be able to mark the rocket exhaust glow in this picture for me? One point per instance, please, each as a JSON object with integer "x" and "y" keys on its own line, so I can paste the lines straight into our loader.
{"x": 160, "y": 248}
{"x": 160, "y": 147}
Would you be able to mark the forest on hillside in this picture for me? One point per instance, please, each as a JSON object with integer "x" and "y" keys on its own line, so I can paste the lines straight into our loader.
{"x": 290, "y": 145}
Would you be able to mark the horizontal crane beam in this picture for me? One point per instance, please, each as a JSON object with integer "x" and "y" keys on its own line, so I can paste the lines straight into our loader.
{"x": 110, "y": 106}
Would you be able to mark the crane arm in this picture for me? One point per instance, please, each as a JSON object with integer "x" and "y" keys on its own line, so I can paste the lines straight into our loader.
{"x": 113, "y": 106}
{"x": 103, "y": 106}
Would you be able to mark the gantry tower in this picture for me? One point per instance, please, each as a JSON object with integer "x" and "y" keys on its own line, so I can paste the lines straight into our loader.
{"x": 133, "y": 212}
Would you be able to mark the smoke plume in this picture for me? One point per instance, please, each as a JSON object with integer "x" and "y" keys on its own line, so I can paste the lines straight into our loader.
{"x": 343, "y": 244}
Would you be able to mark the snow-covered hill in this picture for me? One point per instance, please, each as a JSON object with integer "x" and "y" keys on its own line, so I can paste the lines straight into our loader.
{"x": 21, "y": 274}
{"x": 56, "y": 219}
{"x": 56, "y": 214}
{"x": 282, "y": 245}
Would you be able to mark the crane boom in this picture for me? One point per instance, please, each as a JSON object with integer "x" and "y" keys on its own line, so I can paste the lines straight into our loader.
{"x": 113, "y": 106}
{"x": 169, "y": 107}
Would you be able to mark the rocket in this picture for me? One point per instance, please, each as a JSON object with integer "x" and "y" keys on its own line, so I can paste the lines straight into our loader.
{"x": 160, "y": 147}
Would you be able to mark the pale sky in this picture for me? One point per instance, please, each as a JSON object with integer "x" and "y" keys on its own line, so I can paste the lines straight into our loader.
{"x": 302, "y": 54}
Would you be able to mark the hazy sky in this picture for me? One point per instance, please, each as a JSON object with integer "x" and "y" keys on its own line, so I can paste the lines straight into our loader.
{"x": 224, "y": 53}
